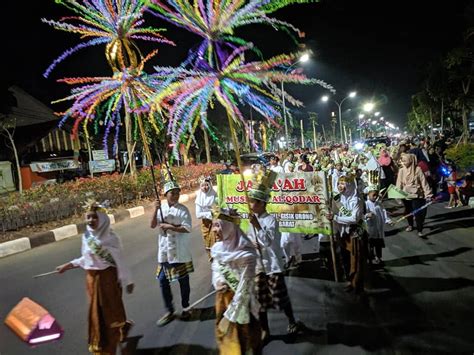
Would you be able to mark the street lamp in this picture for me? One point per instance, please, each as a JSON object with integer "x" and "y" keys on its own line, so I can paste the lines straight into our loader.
{"x": 304, "y": 58}
{"x": 351, "y": 95}
{"x": 368, "y": 107}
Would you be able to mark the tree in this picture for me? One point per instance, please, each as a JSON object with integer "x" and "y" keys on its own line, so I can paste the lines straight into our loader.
{"x": 460, "y": 65}
{"x": 421, "y": 114}
{"x": 438, "y": 87}
{"x": 8, "y": 126}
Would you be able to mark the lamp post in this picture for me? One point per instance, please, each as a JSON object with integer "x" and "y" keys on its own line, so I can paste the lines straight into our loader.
{"x": 339, "y": 105}
{"x": 361, "y": 116}
{"x": 302, "y": 59}
{"x": 368, "y": 107}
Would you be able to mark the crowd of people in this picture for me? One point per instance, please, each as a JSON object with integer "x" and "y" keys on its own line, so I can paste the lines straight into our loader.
{"x": 247, "y": 265}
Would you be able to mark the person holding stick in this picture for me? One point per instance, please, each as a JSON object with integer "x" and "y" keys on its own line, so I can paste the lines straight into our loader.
{"x": 412, "y": 181}
{"x": 234, "y": 260}
{"x": 270, "y": 285}
{"x": 351, "y": 234}
{"x": 174, "y": 255}
{"x": 106, "y": 274}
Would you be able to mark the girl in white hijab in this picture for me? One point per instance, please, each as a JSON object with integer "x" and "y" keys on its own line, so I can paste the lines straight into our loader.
{"x": 233, "y": 272}
{"x": 352, "y": 236}
{"x": 106, "y": 274}
{"x": 205, "y": 199}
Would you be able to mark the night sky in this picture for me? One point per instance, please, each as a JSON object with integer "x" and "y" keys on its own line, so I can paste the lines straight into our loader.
{"x": 378, "y": 48}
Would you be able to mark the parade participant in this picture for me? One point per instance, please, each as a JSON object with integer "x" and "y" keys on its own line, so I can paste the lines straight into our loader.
{"x": 376, "y": 217}
{"x": 106, "y": 275}
{"x": 361, "y": 185}
{"x": 227, "y": 168}
{"x": 388, "y": 168}
{"x": 352, "y": 236}
{"x": 336, "y": 173}
{"x": 271, "y": 286}
{"x": 174, "y": 255}
{"x": 289, "y": 160}
{"x": 205, "y": 200}
{"x": 290, "y": 167}
{"x": 233, "y": 272}
{"x": 305, "y": 165}
{"x": 412, "y": 180}
{"x": 291, "y": 245}
{"x": 274, "y": 164}
{"x": 453, "y": 191}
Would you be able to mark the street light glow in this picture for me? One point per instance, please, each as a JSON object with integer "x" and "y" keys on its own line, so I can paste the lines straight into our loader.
{"x": 325, "y": 98}
{"x": 352, "y": 94}
{"x": 304, "y": 58}
{"x": 368, "y": 107}
{"x": 361, "y": 116}
{"x": 377, "y": 113}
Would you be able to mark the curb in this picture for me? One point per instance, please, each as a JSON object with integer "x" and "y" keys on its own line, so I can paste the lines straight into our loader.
{"x": 71, "y": 230}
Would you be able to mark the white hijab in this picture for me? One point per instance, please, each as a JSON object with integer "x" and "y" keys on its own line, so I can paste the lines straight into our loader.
{"x": 350, "y": 197}
{"x": 206, "y": 199}
{"x": 110, "y": 242}
{"x": 234, "y": 246}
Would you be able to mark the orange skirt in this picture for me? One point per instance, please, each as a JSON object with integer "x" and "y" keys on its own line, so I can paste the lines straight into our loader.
{"x": 106, "y": 311}
{"x": 207, "y": 233}
{"x": 239, "y": 338}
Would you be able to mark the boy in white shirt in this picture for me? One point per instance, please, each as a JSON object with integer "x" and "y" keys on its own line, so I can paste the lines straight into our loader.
{"x": 174, "y": 255}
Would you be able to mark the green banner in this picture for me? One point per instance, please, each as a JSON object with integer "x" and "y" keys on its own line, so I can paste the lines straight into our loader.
{"x": 298, "y": 200}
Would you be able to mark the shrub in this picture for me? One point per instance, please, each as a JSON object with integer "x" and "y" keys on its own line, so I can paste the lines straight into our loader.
{"x": 462, "y": 156}
{"x": 47, "y": 203}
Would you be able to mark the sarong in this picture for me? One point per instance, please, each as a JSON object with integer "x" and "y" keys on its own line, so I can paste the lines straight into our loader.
{"x": 239, "y": 338}
{"x": 106, "y": 311}
{"x": 175, "y": 271}
{"x": 271, "y": 291}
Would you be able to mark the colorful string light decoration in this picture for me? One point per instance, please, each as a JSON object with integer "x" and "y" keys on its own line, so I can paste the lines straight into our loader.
{"x": 216, "y": 20}
{"x": 128, "y": 90}
{"x": 190, "y": 93}
{"x": 113, "y": 22}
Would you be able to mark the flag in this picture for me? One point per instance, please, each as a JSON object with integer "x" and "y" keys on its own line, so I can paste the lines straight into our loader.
{"x": 395, "y": 192}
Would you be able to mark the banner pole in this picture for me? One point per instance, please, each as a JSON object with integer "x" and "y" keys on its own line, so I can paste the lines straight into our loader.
{"x": 331, "y": 228}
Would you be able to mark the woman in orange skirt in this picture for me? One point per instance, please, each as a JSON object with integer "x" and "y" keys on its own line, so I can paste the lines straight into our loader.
{"x": 106, "y": 274}
{"x": 233, "y": 271}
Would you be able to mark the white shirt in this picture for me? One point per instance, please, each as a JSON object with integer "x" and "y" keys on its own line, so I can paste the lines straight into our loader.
{"x": 91, "y": 261}
{"x": 375, "y": 224}
{"x": 174, "y": 247}
{"x": 269, "y": 240}
{"x": 204, "y": 203}
{"x": 286, "y": 166}
{"x": 276, "y": 168}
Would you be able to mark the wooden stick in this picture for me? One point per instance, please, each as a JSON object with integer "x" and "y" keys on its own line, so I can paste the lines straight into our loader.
{"x": 46, "y": 274}
{"x": 331, "y": 237}
{"x": 202, "y": 299}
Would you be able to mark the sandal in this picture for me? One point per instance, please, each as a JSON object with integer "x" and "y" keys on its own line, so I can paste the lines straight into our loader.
{"x": 167, "y": 318}
{"x": 125, "y": 330}
{"x": 294, "y": 328}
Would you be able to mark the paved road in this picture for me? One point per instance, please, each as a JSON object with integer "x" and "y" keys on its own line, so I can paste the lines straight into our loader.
{"x": 421, "y": 302}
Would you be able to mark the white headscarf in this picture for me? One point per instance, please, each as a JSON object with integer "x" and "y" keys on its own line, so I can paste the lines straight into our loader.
{"x": 234, "y": 246}
{"x": 350, "y": 198}
{"x": 206, "y": 199}
{"x": 110, "y": 242}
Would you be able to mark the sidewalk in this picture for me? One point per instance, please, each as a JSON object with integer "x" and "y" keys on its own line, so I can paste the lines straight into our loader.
{"x": 71, "y": 230}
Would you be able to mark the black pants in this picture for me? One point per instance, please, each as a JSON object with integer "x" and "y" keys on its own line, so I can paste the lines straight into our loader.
{"x": 411, "y": 205}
